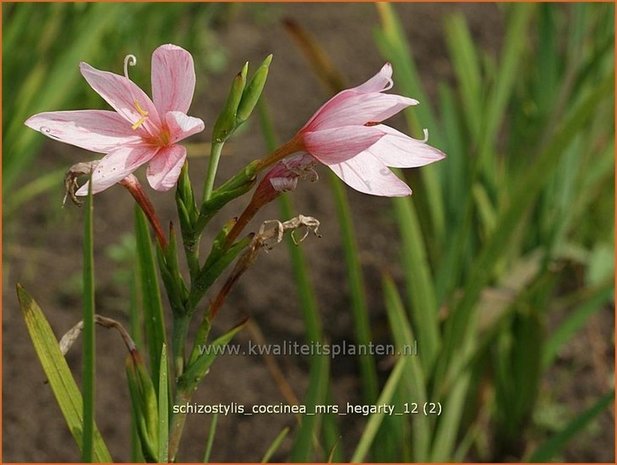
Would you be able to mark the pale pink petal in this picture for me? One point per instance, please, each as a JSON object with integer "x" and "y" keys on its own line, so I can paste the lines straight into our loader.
{"x": 125, "y": 97}
{"x": 367, "y": 174}
{"x": 378, "y": 83}
{"x": 95, "y": 130}
{"x": 173, "y": 79}
{"x": 164, "y": 168}
{"x": 117, "y": 165}
{"x": 340, "y": 144}
{"x": 401, "y": 151}
{"x": 350, "y": 108}
{"x": 182, "y": 126}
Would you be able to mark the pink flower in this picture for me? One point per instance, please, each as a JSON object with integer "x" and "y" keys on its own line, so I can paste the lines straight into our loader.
{"x": 140, "y": 130}
{"x": 346, "y": 135}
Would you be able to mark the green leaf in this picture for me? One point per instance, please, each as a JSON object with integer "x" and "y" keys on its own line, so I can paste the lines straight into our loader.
{"x": 163, "y": 408}
{"x": 419, "y": 282}
{"x": 58, "y": 373}
{"x": 302, "y": 449}
{"x": 467, "y": 69}
{"x": 576, "y": 319}
{"x": 196, "y": 371}
{"x": 210, "y": 441}
{"x": 152, "y": 305}
{"x": 370, "y": 431}
{"x": 549, "y": 449}
{"x": 415, "y": 380}
{"x": 278, "y": 440}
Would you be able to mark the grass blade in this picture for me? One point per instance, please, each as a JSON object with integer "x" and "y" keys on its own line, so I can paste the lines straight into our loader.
{"x": 375, "y": 420}
{"x": 275, "y": 445}
{"x": 575, "y": 321}
{"x": 546, "y": 451}
{"x": 58, "y": 373}
{"x": 152, "y": 305}
{"x": 418, "y": 281}
{"x": 467, "y": 69}
{"x": 210, "y": 440}
{"x": 310, "y": 425}
{"x": 415, "y": 379}
{"x": 163, "y": 451}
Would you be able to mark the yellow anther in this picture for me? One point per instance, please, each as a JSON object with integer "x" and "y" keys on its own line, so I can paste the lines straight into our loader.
{"x": 142, "y": 112}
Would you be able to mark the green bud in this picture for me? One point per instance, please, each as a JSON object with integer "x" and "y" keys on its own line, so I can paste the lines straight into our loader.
{"x": 253, "y": 91}
{"x": 145, "y": 404}
{"x": 226, "y": 122}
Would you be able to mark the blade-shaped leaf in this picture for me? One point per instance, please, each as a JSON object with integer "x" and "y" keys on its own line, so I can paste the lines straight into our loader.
{"x": 58, "y": 373}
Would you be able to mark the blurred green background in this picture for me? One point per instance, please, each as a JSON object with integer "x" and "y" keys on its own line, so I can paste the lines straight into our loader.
{"x": 500, "y": 265}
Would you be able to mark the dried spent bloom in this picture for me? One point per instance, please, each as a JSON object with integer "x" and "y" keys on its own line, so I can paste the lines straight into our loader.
{"x": 284, "y": 175}
{"x": 345, "y": 134}
{"x": 140, "y": 130}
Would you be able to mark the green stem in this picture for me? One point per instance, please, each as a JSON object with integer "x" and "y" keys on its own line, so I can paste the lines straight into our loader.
{"x": 87, "y": 451}
{"x": 177, "y": 424}
{"x": 215, "y": 156}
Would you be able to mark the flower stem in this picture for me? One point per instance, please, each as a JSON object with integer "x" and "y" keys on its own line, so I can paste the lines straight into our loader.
{"x": 215, "y": 156}
{"x": 292, "y": 146}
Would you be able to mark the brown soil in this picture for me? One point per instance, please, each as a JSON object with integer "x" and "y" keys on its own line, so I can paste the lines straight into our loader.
{"x": 43, "y": 252}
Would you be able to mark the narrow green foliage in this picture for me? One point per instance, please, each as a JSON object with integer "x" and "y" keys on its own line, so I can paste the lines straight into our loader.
{"x": 275, "y": 445}
{"x": 551, "y": 448}
{"x": 58, "y": 374}
{"x": 597, "y": 300}
{"x": 152, "y": 305}
{"x": 210, "y": 440}
{"x": 310, "y": 425}
{"x": 467, "y": 68}
{"x": 195, "y": 372}
{"x": 418, "y": 280}
{"x": 375, "y": 420}
{"x": 414, "y": 382}
{"x": 163, "y": 408}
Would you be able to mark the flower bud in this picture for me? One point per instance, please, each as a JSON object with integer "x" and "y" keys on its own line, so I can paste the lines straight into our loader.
{"x": 253, "y": 91}
{"x": 226, "y": 122}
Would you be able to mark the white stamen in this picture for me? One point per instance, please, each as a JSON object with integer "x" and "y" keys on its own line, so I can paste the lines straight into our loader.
{"x": 425, "y": 131}
{"x": 129, "y": 60}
